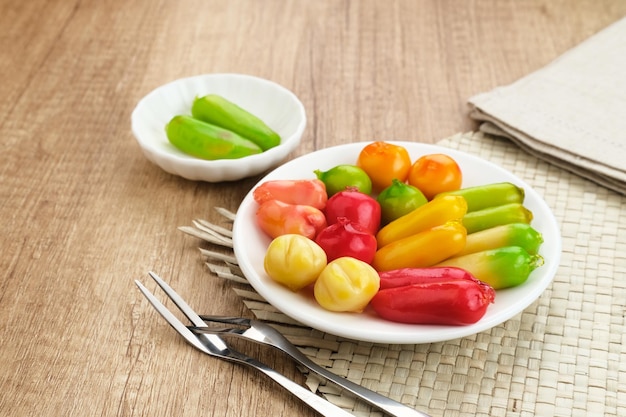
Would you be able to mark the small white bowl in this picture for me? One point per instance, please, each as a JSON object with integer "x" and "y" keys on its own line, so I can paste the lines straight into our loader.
{"x": 278, "y": 107}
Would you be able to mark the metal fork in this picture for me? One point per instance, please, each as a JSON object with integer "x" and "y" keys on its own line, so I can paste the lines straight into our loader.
{"x": 263, "y": 333}
{"x": 213, "y": 345}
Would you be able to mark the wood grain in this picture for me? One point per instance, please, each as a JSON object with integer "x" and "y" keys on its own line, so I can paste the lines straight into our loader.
{"x": 83, "y": 213}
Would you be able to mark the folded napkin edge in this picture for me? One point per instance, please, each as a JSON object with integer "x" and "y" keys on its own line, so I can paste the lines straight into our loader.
{"x": 606, "y": 181}
{"x": 547, "y": 147}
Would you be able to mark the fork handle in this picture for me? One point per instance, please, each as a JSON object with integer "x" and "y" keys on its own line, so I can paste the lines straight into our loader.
{"x": 391, "y": 407}
{"x": 314, "y": 401}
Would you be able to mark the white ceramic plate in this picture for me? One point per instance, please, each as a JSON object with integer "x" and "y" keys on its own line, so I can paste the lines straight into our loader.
{"x": 250, "y": 245}
{"x": 278, "y": 107}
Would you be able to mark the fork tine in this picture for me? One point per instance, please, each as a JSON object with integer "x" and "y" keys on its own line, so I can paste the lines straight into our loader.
{"x": 180, "y": 303}
{"x": 171, "y": 319}
{"x": 214, "y": 341}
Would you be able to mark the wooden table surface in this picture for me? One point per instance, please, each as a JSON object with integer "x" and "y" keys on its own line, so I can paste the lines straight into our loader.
{"x": 83, "y": 213}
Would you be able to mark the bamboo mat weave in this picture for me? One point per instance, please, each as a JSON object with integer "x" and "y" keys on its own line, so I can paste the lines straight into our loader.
{"x": 565, "y": 355}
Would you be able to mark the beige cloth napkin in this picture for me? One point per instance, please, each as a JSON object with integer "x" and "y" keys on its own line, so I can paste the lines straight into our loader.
{"x": 572, "y": 112}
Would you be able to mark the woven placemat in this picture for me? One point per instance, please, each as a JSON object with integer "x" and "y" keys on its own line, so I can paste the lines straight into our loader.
{"x": 565, "y": 355}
